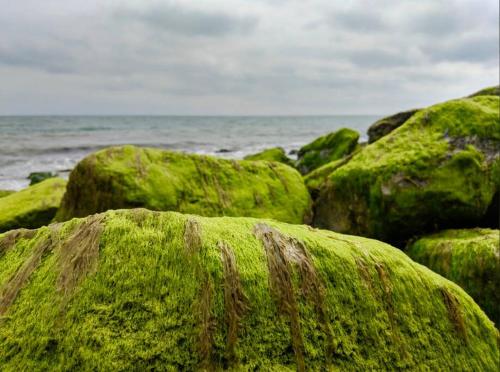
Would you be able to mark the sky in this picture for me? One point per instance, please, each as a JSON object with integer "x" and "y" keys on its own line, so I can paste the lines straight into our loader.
{"x": 243, "y": 57}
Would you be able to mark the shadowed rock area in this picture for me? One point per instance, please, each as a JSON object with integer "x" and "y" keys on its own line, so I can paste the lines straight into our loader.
{"x": 135, "y": 289}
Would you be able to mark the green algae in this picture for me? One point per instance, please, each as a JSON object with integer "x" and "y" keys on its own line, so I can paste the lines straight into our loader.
{"x": 490, "y": 91}
{"x": 470, "y": 258}
{"x": 435, "y": 171}
{"x": 6, "y": 193}
{"x": 129, "y": 177}
{"x": 272, "y": 154}
{"x": 325, "y": 149}
{"x": 167, "y": 291}
{"x": 32, "y": 207}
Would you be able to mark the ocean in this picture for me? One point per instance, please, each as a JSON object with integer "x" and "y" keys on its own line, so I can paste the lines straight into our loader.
{"x": 56, "y": 143}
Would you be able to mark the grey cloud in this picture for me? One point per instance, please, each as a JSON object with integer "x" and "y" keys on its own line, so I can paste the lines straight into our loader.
{"x": 358, "y": 20}
{"x": 479, "y": 48}
{"x": 378, "y": 58}
{"x": 189, "y": 22}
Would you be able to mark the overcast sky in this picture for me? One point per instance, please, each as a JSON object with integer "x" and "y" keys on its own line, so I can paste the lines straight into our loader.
{"x": 249, "y": 57}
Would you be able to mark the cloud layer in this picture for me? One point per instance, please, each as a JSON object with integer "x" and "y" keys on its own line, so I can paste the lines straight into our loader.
{"x": 243, "y": 56}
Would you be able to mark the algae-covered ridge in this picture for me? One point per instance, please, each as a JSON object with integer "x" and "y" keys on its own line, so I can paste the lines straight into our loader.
{"x": 436, "y": 170}
{"x": 325, "y": 149}
{"x": 129, "y": 177}
{"x": 135, "y": 289}
{"x": 470, "y": 258}
{"x": 273, "y": 154}
{"x": 32, "y": 207}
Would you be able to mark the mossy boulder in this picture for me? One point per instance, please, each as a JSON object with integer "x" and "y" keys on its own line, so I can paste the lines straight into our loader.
{"x": 32, "y": 207}
{"x": 470, "y": 258}
{"x": 273, "y": 154}
{"x": 490, "y": 91}
{"x": 325, "y": 149}
{"x": 129, "y": 177}
{"x": 386, "y": 125}
{"x": 6, "y": 193}
{"x": 142, "y": 290}
{"x": 436, "y": 171}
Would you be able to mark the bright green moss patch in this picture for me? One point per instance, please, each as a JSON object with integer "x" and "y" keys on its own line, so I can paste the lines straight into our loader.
{"x": 149, "y": 290}
{"x": 272, "y": 154}
{"x": 327, "y": 148}
{"x": 32, "y": 207}
{"x": 128, "y": 177}
{"x": 470, "y": 258}
{"x": 435, "y": 171}
{"x": 6, "y": 192}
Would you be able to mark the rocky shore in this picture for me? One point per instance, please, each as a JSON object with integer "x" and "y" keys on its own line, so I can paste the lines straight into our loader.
{"x": 149, "y": 259}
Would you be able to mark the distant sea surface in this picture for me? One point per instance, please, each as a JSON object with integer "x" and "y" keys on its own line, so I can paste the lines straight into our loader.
{"x": 56, "y": 143}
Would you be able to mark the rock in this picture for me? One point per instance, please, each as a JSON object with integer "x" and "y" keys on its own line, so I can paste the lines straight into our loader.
{"x": 32, "y": 207}
{"x": 6, "y": 193}
{"x": 470, "y": 258}
{"x": 490, "y": 91}
{"x": 435, "y": 172}
{"x": 129, "y": 177}
{"x": 224, "y": 151}
{"x": 325, "y": 149}
{"x": 293, "y": 152}
{"x": 142, "y": 290}
{"x": 272, "y": 154}
{"x": 386, "y": 125}
{"x": 36, "y": 177}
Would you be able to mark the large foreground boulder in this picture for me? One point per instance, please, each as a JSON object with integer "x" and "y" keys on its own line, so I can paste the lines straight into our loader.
{"x": 32, "y": 207}
{"x": 440, "y": 169}
{"x": 325, "y": 149}
{"x": 386, "y": 125}
{"x": 273, "y": 154}
{"x": 470, "y": 258}
{"x": 142, "y": 290}
{"x": 128, "y": 177}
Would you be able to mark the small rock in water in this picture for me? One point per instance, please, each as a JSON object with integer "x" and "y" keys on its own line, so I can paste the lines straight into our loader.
{"x": 223, "y": 151}
{"x": 36, "y": 177}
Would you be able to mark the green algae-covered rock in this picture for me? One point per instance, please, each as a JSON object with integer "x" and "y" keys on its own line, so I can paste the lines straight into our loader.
{"x": 470, "y": 258}
{"x": 142, "y": 290}
{"x": 128, "y": 177}
{"x": 386, "y": 125}
{"x": 272, "y": 154}
{"x": 325, "y": 149}
{"x": 490, "y": 91}
{"x": 436, "y": 171}
{"x": 32, "y": 207}
{"x": 6, "y": 193}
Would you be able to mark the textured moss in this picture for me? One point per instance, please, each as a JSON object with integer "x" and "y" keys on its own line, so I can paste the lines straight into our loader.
{"x": 386, "y": 125}
{"x": 6, "y": 193}
{"x": 32, "y": 207}
{"x": 128, "y": 177}
{"x": 148, "y": 290}
{"x": 470, "y": 258}
{"x": 272, "y": 154}
{"x": 327, "y": 148}
{"x": 490, "y": 91}
{"x": 434, "y": 172}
